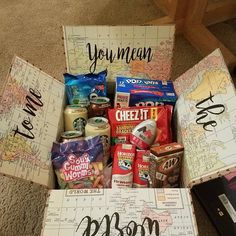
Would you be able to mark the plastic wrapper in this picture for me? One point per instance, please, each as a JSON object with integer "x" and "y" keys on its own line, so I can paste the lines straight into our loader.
{"x": 79, "y": 164}
{"x": 81, "y": 88}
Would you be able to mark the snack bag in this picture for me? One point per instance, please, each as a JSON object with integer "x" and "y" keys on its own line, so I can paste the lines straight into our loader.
{"x": 124, "y": 120}
{"x": 122, "y": 169}
{"x": 79, "y": 164}
{"x": 81, "y": 88}
{"x": 141, "y": 169}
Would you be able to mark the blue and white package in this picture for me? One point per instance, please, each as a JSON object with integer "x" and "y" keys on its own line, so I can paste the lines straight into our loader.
{"x": 143, "y": 92}
{"x": 151, "y": 98}
{"x": 81, "y": 88}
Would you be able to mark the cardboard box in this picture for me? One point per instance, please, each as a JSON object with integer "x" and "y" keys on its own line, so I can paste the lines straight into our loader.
{"x": 131, "y": 51}
{"x": 31, "y": 119}
{"x": 81, "y": 212}
{"x": 206, "y": 120}
{"x": 31, "y": 111}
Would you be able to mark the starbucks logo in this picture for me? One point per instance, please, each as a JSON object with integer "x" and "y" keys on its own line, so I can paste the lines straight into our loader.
{"x": 79, "y": 124}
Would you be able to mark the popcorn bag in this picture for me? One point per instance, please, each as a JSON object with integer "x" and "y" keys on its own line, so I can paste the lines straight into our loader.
{"x": 32, "y": 119}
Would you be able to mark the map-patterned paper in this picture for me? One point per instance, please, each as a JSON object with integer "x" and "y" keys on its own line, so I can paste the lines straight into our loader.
{"x": 119, "y": 212}
{"x": 206, "y": 115}
{"x": 131, "y": 51}
{"x": 30, "y": 112}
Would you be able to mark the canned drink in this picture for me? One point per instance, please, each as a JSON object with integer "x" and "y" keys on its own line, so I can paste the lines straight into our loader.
{"x": 100, "y": 126}
{"x": 75, "y": 118}
{"x": 98, "y": 107}
{"x": 69, "y": 136}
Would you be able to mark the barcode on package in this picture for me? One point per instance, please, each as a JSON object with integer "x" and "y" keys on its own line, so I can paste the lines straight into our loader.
{"x": 228, "y": 206}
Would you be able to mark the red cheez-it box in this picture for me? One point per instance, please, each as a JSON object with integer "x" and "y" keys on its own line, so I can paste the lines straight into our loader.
{"x": 124, "y": 120}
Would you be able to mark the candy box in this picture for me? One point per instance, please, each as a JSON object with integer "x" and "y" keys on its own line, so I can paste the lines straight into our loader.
{"x": 165, "y": 165}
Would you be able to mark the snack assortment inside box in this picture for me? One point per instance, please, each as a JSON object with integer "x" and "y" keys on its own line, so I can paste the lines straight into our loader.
{"x": 98, "y": 136}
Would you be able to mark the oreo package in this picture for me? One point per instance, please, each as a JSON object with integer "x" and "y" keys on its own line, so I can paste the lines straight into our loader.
{"x": 143, "y": 92}
{"x": 81, "y": 88}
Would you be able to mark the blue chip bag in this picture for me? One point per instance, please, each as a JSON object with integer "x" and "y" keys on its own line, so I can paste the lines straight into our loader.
{"x": 81, "y": 88}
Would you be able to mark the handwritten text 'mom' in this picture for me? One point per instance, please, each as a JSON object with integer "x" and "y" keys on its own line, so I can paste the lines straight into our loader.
{"x": 110, "y": 226}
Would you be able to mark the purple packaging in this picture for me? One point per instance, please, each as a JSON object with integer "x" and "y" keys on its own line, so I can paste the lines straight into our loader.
{"x": 143, "y": 92}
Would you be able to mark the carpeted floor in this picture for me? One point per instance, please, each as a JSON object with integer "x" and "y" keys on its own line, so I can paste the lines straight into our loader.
{"x": 32, "y": 30}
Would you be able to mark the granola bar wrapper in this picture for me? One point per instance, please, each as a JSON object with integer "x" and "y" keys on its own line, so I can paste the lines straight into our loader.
{"x": 79, "y": 164}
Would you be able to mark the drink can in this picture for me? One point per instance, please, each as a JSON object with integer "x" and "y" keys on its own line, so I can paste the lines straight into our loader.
{"x": 100, "y": 126}
{"x": 75, "y": 118}
{"x": 69, "y": 136}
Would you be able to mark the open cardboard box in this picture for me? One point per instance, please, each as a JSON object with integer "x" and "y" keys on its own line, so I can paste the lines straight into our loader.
{"x": 31, "y": 119}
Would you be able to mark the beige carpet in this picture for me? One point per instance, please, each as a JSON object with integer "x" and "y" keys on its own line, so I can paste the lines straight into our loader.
{"x": 32, "y": 30}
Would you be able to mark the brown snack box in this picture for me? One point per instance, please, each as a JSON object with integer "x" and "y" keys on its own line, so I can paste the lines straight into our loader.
{"x": 165, "y": 165}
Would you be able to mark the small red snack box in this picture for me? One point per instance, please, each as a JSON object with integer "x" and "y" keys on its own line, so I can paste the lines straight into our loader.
{"x": 165, "y": 165}
{"x": 141, "y": 169}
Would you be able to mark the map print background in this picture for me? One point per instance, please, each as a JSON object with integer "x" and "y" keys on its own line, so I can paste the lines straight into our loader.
{"x": 208, "y": 154}
{"x": 170, "y": 207}
{"x": 159, "y": 38}
{"x": 21, "y": 157}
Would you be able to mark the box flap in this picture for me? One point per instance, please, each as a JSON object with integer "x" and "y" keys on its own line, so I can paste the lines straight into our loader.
{"x": 75, "y": 212}
{"x": 30, "y": 112}
{"x": 206, "y": 117}
{"x": 132, "y": 51}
